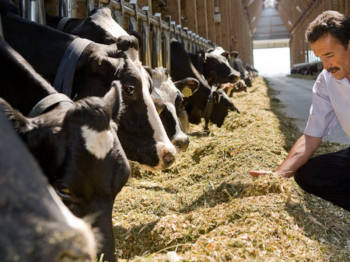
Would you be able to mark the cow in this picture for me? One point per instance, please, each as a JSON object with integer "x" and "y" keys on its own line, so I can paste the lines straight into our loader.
{"x": 230, "y": 88}
{"x": 214, "y": 65}
{"x": 99, "y": 26}
{"x": 201, "y": 103}
{"x": 181, "y": 67}
{"x": 187, "y": 87}
{"x": 75, "y": 143}
{"x": 140, "y": 130}
{"x": 171, "y": 104}
{"x": 222, "y": 103}
{"x": 35, "y": 225}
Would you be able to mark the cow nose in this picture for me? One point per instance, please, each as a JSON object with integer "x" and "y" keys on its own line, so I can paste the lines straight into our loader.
{"x": 181, "y": 143}
{"x": 233, "y": 78}
{"x": 168, "y": 159}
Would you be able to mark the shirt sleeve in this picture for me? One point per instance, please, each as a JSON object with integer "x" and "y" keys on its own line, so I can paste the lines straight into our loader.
{"x": 322, "y": 118}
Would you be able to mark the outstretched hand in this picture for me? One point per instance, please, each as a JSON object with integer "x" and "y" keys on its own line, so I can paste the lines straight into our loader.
{"x": 255, "y": 173}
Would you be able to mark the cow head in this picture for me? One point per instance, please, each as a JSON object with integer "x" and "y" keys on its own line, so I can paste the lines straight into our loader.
{"x": 140, "y": 130}
{"x": 32, "y": 204}
{"x": 216, "y": 67}
{"x": 221, "y": 104}
{"x": 99, "y": 27}
{"x": 181, "y": 68}
{"x": 187, "y": 87}
{"x": 170, "y": 103}
{"x": 78, "y": 149}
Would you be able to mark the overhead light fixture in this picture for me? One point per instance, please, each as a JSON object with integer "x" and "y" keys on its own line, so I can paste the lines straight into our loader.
{"x": 290, "y": 23}
{"x": 299, "y": 9}
{"x": 253, "y": 19}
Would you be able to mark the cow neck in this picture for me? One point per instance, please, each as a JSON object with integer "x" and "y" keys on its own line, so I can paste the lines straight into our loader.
{"x": 48, "y": 103}
{"x": 65, "y": 73}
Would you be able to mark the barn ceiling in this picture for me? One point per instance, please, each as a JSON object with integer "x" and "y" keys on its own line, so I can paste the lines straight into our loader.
{"x": 275, "y": 19}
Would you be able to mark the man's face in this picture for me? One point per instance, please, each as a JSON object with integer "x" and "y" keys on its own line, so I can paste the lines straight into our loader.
{"x": 335, "y": 58}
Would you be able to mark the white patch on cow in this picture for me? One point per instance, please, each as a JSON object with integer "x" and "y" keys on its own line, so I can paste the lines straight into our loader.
{"x": 104, "y": 19}
{"x": 163, "y": 143}
{"x": 167, "y": 90}
{"x": 164, "y": 85}
{"x": 133, "y": 54}
{"x": 76, "y": 224}
{"x": 97, "y": 143}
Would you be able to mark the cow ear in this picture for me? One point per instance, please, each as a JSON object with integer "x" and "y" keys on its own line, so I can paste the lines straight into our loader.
{"x": 187, "y": 86}
{"x": 64, "y": 192}
{"x": 138, "y": 36}
{"x": 19, "y": 122}
{"x": 225, "y": 54}
{"x": 149, "y": 70}
{"x": 113, "y": 99}
{"x": 203, "y": 56}
{"x": 233, "y": 108}
{"x": 212, "y": 78}
{"x": 158, "y": 101}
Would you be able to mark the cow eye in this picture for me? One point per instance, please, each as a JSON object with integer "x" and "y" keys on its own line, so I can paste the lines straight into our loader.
{"x": 128, "y": 89}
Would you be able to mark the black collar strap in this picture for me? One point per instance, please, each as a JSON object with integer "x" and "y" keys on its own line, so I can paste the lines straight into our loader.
{"x": 208, "y": 109}
{"x": 47, "y": 103}
{"x": 62, "y": 23}
{"x": 65, "y": 73}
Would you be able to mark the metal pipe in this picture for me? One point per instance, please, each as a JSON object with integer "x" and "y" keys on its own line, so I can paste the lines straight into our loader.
{"x": 35, "y": 11}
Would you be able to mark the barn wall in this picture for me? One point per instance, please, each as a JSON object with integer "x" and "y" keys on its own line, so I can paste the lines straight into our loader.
{"x": 299, "y": 19}
{"x": 224, "y": 22}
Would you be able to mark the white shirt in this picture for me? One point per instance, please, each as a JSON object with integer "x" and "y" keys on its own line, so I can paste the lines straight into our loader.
{"x": 330, "y": 104}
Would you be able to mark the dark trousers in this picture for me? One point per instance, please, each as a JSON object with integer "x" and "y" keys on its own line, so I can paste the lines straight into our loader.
{"x": 327, "y": 176}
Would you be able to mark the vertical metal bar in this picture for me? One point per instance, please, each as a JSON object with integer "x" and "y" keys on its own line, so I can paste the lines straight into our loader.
{"x": 62, "y": 8}
{"x": 90, "y": 6}
{"x": 166, "y": 49}
{"x": 67, "y": 8}
{"x": 146, "y": 47}
{"x": 35, "y": 11}
{"x": 157, "y": 52}
{"x": 22, "y": 8}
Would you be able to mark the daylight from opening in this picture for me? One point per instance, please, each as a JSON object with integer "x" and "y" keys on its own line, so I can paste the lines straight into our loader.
{"x": 272, "y": 61}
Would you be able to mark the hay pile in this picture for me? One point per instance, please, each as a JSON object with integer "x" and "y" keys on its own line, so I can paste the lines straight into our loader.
{"x": 207, "y": 208}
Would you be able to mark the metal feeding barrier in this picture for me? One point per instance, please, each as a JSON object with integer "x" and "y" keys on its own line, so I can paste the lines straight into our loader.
{"x": 156, "y": 32}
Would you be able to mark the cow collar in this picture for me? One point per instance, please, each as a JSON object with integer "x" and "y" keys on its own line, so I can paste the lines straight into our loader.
{"x": 208, "y": 106}
{"x": 47, "y": 103}
{"x": 62, "y": 23}
{"x": 65, "y": 73}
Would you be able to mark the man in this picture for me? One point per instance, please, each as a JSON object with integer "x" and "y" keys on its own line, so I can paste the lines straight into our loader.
{"x": 328, "y": 175}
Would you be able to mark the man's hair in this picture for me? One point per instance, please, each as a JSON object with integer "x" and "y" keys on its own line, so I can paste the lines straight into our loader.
{"x": 329, "y": 22}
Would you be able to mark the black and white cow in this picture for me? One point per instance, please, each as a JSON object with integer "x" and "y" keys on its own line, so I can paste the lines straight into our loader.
{"x": 34, "y": 223}
{"x": 181, "y": 67}
{"x": 75, "y": 143}
{"x": 171, "y": 104}
{"x": 202, "y": 103}
{"x": 140, "y": 130}
{"x": 213, "y": 64}
{"x": 99, "y": 26}
{"x": 221, "y": 104}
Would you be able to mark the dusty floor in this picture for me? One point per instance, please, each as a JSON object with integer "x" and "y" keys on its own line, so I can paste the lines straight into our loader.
{"x": 207, "y": 208}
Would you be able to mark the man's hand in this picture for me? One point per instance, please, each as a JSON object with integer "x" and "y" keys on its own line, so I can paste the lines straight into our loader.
{"x": 285, "y": 174}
